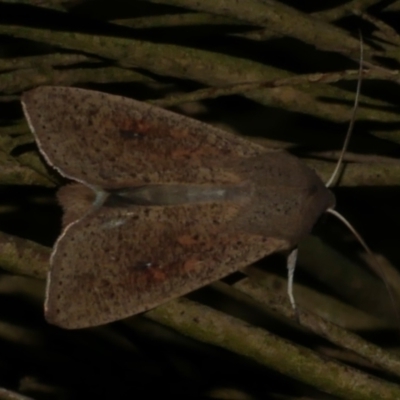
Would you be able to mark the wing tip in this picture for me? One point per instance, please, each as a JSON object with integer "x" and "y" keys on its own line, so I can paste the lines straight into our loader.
{"x": 54, "y": 316}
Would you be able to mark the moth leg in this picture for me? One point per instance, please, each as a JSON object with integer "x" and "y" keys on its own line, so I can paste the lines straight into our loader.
{"x": 291, "y": 265}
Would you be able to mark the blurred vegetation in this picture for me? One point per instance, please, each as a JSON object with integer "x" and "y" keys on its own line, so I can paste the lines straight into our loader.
{"x": 280, "y": 73}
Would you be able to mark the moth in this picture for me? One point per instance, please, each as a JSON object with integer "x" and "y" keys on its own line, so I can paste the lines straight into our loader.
{"x": 162, "y": 204}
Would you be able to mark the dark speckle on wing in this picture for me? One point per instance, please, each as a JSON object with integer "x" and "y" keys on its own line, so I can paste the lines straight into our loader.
{"x": 130, "y": 134}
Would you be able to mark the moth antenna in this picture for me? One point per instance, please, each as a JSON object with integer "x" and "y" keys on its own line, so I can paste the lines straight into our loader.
{"x": 333, "y": 177}
{"x": 380, "y": 271}
{"x": 292, "y": 258}
{"x": 335, "y": 173}
{"x": 291, "y": 266}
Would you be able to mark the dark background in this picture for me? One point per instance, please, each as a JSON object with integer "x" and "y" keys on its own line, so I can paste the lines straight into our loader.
{"x": 139, "y": 357}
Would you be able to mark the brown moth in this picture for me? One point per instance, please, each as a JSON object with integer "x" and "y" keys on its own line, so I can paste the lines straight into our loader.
{"x": 163, "y": 204}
